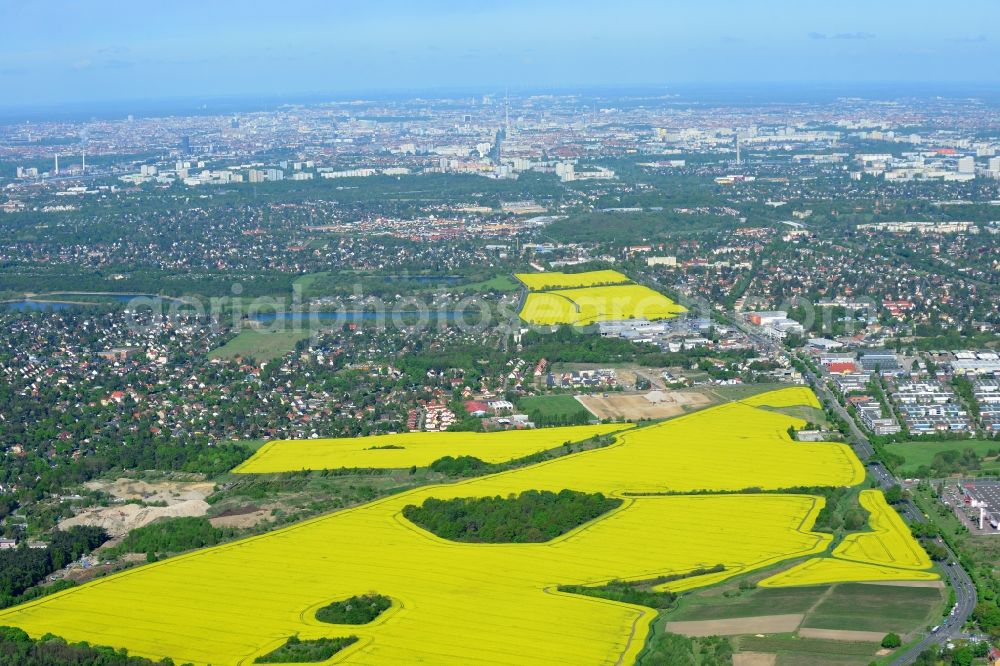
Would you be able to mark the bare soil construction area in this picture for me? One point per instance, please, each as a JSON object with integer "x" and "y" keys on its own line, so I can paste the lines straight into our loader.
{"x": 159, "y": 491}
{"x": 243, "y": 517}
{"x": 182, "y": 499}
{"x": 654, "y": 404}
{"x": 760, "y": 624}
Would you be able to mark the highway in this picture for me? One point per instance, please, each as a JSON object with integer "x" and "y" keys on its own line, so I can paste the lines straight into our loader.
{"x": 965, "y": 590}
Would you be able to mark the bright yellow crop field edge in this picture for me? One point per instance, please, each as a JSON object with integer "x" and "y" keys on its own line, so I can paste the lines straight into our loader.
{"x": 789, "y": 397}
{"x": 548, "y": 308}
{"x": 889, "y": 543}
{"x": 419, "y": 448}
{"x": 641, "y": 538}
{"x": 558, "y": 280}
{"x": 589, "y": 305}
{"x": 826, "y": 571}
{"x": 888, "y": 552}
{"x": 808, "y": 521}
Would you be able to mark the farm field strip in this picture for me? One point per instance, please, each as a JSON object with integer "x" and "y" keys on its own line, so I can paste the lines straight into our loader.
{"x": 488, "y": 603}
{"x": 890, "y": 542}
{"x": 548, "y": 308}
{"x": 825, "y": 570}
{"x": 557, "y": 280}
{"x": 590, "y": 305}
{"x": 788, "y": 397}
{"x": 418, "y": 448}
{"x": 454, "y": 597}
{"x": 581, "y": 299}
{"x": 888, "y": 552}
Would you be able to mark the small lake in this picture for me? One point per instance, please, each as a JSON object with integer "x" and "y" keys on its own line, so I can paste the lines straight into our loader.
{"x": 423, "y": 279}
{"x": 60, "y": 301}
{"x": 450, "y": 315}
{"x": 30, "y": 306}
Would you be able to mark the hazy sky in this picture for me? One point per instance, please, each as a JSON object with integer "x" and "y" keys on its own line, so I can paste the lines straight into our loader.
{"x": 63, "y": 50}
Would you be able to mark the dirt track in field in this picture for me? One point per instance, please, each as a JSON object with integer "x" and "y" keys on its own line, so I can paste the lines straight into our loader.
{"x": 759, "y": 624}
{"x": 911, "y": 583}
{"x": 754, "y": 659}
{"x": 842, "y": 635}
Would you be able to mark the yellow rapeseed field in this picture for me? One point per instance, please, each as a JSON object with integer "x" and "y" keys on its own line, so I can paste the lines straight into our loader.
{"x": 890, "y": 541}
{"x": 826, "y": 570}
{"x": 593, "y": 304}
{"x": 789, "y": 397}
{"x": 458, "y": 603}
{"x": 548, "y": 308}
{"x": 418, "y": 448}
{"x": 556, "y": 280}
{"x": 888, "y": 552}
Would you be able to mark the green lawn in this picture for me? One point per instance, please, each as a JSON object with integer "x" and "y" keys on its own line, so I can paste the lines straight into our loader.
{"x": 499, "y": 283}
{"x": 922, "y": 453}
{"x": 804, "y": 412}
{"x": 260, "y": 345}
{"x": 305, "y": 282}
{"x": 252, "y": 444}
{"x": 551, "y": 405}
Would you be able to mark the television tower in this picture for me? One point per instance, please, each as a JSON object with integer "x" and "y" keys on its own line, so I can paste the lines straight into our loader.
{"x": 83, "y": 165}
{"x": 56, "y": 171}
{"x": 737, "y": 149}
{"x": 506, "y": 110}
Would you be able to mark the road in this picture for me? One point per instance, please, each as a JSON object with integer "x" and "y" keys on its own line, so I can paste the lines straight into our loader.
{"x": 965, "y": 590}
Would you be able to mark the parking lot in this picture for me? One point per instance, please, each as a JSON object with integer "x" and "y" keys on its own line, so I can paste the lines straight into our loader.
{"x": 968, "y": 496}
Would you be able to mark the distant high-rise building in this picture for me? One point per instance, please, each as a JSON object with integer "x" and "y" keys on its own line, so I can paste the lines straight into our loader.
{"x": 566, "y": 171}
{"x": 274, "y": 174}
{"x": 496, "y": 151}
{"x": 967, "y": 165}
{"x": 185, "y": 145}
{"x": 994, "y": 167}
{"x": 506, "y": 112}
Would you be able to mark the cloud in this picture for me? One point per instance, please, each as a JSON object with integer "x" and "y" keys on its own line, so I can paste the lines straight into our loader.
{"x": 82, "y": 64}
{"x": 842, "y": 35}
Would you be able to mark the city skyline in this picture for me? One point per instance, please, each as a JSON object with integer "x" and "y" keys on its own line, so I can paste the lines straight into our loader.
{"x": 109, "y": 51}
